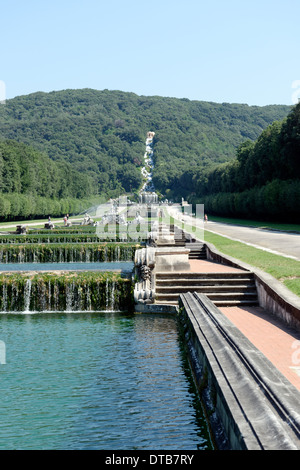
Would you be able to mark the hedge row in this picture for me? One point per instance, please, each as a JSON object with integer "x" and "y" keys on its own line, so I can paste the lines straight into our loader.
{"x": 278, "y": 200}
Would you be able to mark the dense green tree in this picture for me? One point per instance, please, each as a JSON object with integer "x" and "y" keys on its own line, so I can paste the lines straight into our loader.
{"x": 263, "y": 181}
{"x": 290, "y": 144}
{"x": 98, "y": 132}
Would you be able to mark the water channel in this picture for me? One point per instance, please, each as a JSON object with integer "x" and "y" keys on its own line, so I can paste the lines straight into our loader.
{"x": 97, "y": 381}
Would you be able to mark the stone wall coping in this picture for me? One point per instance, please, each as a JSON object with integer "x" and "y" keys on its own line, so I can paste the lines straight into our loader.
{"x": 264, "y": 406}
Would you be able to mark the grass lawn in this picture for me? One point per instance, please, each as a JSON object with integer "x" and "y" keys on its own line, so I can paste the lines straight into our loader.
{"x": 11, "y": 226}
{"x": 258, "y": 224}
{"x": 286, "y": 270}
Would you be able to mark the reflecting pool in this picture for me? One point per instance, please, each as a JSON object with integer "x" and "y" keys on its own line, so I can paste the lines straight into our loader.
{"x": 97, "y": 381}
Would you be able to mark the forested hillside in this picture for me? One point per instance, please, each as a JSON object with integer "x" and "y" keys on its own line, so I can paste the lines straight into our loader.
{"x": 97, "y": 139}
{"x": 103, "y": 132}
{"x": 264, "y": 179}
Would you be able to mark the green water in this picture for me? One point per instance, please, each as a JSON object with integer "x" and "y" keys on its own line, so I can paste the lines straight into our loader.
{"x": 96, "y": 381}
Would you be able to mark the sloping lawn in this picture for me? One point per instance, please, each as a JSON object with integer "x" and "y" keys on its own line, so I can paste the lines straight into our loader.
{"x": 286, "y": 270}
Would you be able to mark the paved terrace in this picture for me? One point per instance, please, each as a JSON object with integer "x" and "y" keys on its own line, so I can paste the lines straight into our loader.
{"x": 266, "y": 332}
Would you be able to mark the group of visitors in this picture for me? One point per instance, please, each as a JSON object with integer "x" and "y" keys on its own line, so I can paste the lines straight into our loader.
{"x": 66, "y": 218}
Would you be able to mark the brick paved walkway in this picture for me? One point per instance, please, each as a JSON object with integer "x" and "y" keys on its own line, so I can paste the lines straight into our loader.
{"x": 204, "y": 266}
{"x": 279, "y": 343}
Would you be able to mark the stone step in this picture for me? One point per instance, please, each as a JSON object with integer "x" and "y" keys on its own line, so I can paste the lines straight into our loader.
{"x": 220, "y": 297}
{"x": 223, "y": 289}
{"x": 235, "y": 303}
{"x": 178, "y": 283}
{"x": 167, "y": 245}
{"x": 195, "y": 249}
{"x": 204, "y": 289}
{"x": 195, "y": 246}
{"x": 197, "y": 253}
{"x": 190, "y": 239}
{"x": 218, "y": 303}
{"x": 174, "y": 276}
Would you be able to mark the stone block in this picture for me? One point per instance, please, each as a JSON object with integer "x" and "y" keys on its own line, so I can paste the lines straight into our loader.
{"x": 173, "y": 259}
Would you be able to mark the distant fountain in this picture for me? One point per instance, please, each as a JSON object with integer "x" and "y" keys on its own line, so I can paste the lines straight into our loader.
{"x": 148, "y": 198}
{"x": 148, "y": 194}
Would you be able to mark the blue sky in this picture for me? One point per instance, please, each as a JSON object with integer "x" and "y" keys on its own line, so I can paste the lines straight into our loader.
{"x": 217, "y": 50}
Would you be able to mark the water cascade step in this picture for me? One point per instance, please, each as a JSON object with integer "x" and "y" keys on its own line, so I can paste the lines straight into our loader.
{"x": 65, "y": 292}
{"x": 68, "y": 252}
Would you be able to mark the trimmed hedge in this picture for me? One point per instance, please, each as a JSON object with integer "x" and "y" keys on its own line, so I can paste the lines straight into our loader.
{"x": 278, "y": 199}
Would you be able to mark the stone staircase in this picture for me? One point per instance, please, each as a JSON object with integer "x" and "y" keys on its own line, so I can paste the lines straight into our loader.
{"x": 198, "y": 250}
{"x": 179, "y": 236}
{"x": 223, "y": 289}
